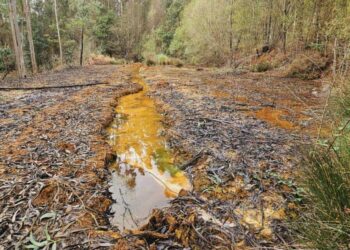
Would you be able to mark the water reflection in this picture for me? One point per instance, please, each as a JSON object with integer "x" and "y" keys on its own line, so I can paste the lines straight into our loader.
{"x": 145, "y": 176}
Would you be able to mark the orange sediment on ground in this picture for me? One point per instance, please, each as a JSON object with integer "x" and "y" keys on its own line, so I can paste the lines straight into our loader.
{"x": 274, "y": 117}
{"x": 145, "y": 165}
{"x": 137, "y": 139}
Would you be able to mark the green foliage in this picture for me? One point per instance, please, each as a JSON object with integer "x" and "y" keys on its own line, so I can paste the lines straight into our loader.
{"x": 316, "y": 46}
{"x": 166, "y": 32}
{"x": 262, "y": 67}
{"x": 7, "y": 60}
{"x": 201, "y": 32}
{"x": 343, "y": 101}
{"x": 163, "y": 59}
{"x": 160, "y": 39}
{"x": 69, "y": 47}
{"x": 177, "y": 47}
{"x": 325, "y": 221}
{"x": 103, "y": 31}
{"x": 203, "y": 36}
{"x": 149, "y": 48}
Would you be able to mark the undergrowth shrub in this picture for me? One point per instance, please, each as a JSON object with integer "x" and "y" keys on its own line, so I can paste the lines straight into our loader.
{"x": 7, "y": 60}
{"x": 325, "y": 220}
{"x": 343, "y": 100}
{"x": 98, "y": 59}
{"x": 325, "y": 223}
{"x": 262, "y": 67}
{"x": 162, "y": 59}
{"x": 177, "y": 62}
{"x": 150, "y": 62}
{"x": 308, "y": 67}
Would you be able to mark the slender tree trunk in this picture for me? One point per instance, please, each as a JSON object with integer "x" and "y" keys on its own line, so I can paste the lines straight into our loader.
{"x": 284, "y": 29}
{"x": 316, "y": 21}
{"x": 269, "y": 33}
{"x": 58, "y": 32}
{"x": 81, "y": 45}
{"x": 14, "y": 37}
{"x": 17, "y": 40}
{"x": 26, "y": 5}
{"x": 121, "y": 7}
{"x": 231, "y": 33}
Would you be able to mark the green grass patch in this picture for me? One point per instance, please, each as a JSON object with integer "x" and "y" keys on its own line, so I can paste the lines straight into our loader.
{"x": 324, "y": 221}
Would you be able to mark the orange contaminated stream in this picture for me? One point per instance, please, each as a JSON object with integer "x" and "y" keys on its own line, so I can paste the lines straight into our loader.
{"x": 145, "y": 176}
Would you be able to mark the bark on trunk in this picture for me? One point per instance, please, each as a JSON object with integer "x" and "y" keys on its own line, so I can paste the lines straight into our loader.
{"x": 231, "y": 34}
{"x": 285, "y": 27}
{"x": 26, "y": 5}
{"x": 269, "y": 28}
{"x": 58, "y": 32}
{"x": 81, "y": 46}
{"x": 17, "y": 40}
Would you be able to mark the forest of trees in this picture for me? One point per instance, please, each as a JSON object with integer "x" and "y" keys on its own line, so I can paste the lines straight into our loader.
{"x": 44, "y": 34}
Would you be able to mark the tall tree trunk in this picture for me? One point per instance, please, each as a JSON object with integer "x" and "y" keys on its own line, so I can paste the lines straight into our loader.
{"x": 121, "y": 7}
{"x": 58, "y": 32}
{"x": 17, "y": 39}
{"x": 26, "y": 5}
{"x": 231, "y": 33}
{"x": 269, "y": 28}
{"x": 14, "y": 37}
{"x": 316, "y": 21}
{"x": 81, "y": 45}
{"x": 284, "y": 26}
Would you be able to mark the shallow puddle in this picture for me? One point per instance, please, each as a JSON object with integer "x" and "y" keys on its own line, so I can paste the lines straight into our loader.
{"x": 144, "y": 175}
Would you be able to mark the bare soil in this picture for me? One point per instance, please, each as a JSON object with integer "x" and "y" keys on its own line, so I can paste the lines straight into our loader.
{"x": 238, "y": 137}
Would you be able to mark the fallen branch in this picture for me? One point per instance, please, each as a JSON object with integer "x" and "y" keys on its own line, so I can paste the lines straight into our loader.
{"x": 52, "y": 87}
{"x": 150, "y": 234}
{"x": 191, "y": 161}
{"x": 4, "y": 76}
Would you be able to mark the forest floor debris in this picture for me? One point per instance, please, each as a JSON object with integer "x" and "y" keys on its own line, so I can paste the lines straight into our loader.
{"x": 241, "y": 135}
{"x": 53, "y": 157}
{"x": 238, "y": 132}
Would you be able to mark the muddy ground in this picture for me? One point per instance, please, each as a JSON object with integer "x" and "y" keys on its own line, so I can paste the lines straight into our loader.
{"x": 236, "y": 135}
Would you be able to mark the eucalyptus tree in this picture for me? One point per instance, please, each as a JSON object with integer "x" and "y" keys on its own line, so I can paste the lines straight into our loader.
{"x": 17, "y": 38}
{"x": 58, "y": 32}
{"x": 26, "y": 5}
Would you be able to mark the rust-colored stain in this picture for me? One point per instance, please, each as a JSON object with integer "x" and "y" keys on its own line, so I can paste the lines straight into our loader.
{"x": 241, "y": 99}
{"x": 220, "y": 94}
{"x": 275, "y": 117}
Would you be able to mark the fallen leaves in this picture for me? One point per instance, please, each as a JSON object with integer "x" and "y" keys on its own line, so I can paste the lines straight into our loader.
{"x": 52, "y": 161}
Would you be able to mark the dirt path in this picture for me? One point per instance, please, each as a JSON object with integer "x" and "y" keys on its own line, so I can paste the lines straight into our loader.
{"x": 237, "y": 133}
